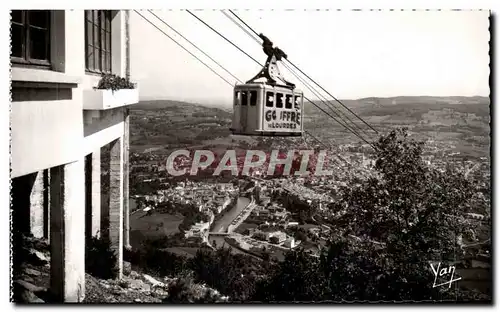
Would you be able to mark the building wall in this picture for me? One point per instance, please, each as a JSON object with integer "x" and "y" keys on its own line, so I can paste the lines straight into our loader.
{"x": 102, "y": 127}
{"x": 47, "y": 116}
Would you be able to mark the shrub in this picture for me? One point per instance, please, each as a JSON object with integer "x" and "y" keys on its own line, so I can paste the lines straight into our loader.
{"x": 184, "y": 290}
{"x": 114, "y": 82}
{"x": 100, "y": 260}
{"x": 402, "y": 217}
{"x": 151, "y": 257}
{"x": 260, "y": 236}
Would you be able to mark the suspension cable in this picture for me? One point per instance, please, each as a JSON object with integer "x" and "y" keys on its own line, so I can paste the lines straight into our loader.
{"x": 311, "y": 79}
{"x": 332, "y": 96}
{"x": 316, "y": 93}
{"x": 323, "y": 99}
{"x": 241, "y": 27}
{"x": 244, "y": 23}
{"x": 321, "y": 109}
{"x": 194, "y": 45}
{"x": 315, "y": 138}
{"x": 249, "y": 57}
{"x": 322, "y": 143}
{"x": 180, "y": 45}
{"x": 232, "y": 43}
{"x": 214, "y": 30}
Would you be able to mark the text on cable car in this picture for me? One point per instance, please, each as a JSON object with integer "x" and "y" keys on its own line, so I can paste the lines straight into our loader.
{"x": 283, "y": 119}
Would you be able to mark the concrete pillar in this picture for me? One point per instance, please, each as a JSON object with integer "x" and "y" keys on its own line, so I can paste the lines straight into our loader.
{"x": 115, "y": 212}
{"x": 96, "y": 193}
{"x": 126, "y": 195}
{"x": 67, "y": 239}
{"x": 37, "y": 206}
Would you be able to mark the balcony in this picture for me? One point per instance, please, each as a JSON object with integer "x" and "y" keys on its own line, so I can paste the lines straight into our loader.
{"x": 96, "y": 99}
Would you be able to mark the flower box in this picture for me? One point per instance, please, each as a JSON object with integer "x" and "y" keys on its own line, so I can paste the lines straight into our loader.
{"x": 100, "y": 99}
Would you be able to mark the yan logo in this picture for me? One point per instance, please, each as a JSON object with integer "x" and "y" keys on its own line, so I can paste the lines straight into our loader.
{"x": 442, "y": 274}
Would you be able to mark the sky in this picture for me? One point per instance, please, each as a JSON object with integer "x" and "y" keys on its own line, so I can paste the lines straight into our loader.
{"x": 352, "y": 54}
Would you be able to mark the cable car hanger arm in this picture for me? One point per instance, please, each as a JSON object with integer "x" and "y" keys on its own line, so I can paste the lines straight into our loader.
{"x": 270, "y": 71}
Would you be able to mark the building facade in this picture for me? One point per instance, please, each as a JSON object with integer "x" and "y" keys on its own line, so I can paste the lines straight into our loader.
{"x": 68, "y": 140}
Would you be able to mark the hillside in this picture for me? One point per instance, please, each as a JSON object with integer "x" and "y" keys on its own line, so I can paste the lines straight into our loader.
{"x": 463, "y": 122}
{"x": 159, "y": 123}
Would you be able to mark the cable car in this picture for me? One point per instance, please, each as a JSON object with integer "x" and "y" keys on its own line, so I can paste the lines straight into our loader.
{"x": 267, "y": 104}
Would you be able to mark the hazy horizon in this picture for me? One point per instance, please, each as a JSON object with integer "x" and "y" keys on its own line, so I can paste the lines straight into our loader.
{"x": 352, "y": 54}
{"x": 209, "y": 102}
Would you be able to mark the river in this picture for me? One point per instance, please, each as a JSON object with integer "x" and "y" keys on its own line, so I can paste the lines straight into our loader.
{"x": 228, "y": 216}
{"x": 222, "y": 224}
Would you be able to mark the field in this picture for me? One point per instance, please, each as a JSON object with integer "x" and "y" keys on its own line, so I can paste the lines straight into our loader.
{"x": 457, "y": 126}
{"x": 154, "y": 225}
{"x": 460, "y": 123}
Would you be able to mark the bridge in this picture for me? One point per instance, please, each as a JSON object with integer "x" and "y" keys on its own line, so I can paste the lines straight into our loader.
{"x": 218, "y": 233}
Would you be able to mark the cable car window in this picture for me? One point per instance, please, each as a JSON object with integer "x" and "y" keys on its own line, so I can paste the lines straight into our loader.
{"x": 244, "y": 98}
{"x": 237, "y": 98}
{"x": 269, "y": 99}
{"x": 253, "y": 98}
{"x": 288, "y": 103}
{"x": 297, "y": 102}
{"x": 279, "y": 100}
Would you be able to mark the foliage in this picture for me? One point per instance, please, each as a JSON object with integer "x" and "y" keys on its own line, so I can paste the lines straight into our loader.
{"x": 409, "y": 205}
{"x": 152, "y": 256}
{"x": 114, "y": 82}
{"x": 391, "y": 225}
{"x": 191, "y": 216}
{"x": 260, "y": 236}
{"x": 414, "y": 211}
{"x": 233, "y": 275}
{"x": 100, "y": 259}
{"x": 298, "y": 233}
{"x": 295, "y": 279}
{"x": 184, "y": 290}
{"x": 274, "y": 240}
{"x": 143, "y": 188}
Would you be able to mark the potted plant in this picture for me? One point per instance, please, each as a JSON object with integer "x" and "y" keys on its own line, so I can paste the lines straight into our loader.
{"x": 111, "y": 91}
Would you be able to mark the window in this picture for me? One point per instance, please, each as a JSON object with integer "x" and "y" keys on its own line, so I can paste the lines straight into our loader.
{"x": 30, "y": 33}
{"x": 269, "y": 99}
{"x": 98, "y": 41}
{"x": 244, "y": 98}
{"x": 288, "y": 103}
{"x": 279, "y": 100}
{"x": 253, "y": 98}
{"x": 297, "y": 102}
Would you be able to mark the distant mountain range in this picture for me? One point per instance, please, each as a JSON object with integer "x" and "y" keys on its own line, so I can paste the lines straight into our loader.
{"x": 176, "y": 105}
{"x": 461, "y": 121}
{"x": 155, "y": 104}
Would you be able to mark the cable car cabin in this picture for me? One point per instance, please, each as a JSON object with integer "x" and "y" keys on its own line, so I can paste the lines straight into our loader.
{"x": 261, "y": 109}
{"x": 267, "y": 104}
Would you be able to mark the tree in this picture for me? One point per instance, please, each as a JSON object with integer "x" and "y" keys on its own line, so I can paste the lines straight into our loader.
{"x": 295, "y": 279}
{"x": 408, "y": 203}
{"x": 404, "y": 215}
{"x": 260, "y": 236}
{"x": 224, "y": 271}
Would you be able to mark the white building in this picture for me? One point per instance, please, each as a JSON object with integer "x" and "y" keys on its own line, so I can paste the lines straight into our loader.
{"x": 59, "y": 128}
{"x": 289, "y": 243}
